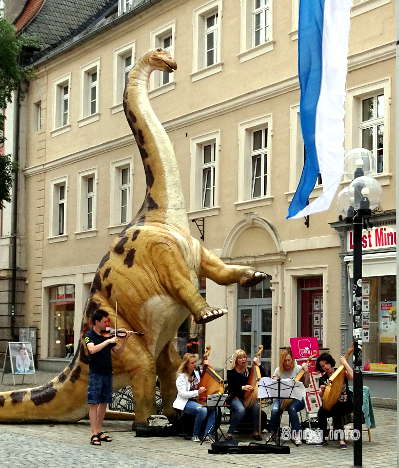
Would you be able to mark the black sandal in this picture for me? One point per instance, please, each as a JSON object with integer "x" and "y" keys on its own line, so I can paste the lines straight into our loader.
{"x": 95, "y": 440}
{"x": 103, "y": 437}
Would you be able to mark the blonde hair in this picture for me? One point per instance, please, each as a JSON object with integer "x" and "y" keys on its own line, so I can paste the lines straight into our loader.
{"x": 283, "y": 355}
{"x": 183, "y": 366}
{"x": 237, "y": 354}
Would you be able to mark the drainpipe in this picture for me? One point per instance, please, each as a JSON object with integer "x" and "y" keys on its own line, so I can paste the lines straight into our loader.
{"x": 14, "y": 219}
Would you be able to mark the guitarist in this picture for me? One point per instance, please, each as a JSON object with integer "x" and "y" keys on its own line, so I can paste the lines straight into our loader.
{"x": 325, "y": 365}
{"x": 289, "y": 369}
{"x": 237, "y": 379}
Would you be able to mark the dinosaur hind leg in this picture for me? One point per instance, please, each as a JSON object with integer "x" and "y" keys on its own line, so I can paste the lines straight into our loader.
{"x": 167, "y": 364}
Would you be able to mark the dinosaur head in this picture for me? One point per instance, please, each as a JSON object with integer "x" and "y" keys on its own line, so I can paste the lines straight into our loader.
{"x": 160, "y": 59}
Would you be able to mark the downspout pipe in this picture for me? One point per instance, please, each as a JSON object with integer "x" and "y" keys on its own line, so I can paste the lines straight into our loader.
{"x": 14, "y": 218}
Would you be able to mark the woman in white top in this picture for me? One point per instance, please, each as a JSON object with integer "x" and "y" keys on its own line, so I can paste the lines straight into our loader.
{"x": 288, "y": 369}
{"x": 188, "y": 389}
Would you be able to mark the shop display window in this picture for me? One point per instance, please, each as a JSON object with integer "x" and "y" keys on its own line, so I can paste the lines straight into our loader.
{"x": 379, "y": 324}
{"x": 61, "y": 320}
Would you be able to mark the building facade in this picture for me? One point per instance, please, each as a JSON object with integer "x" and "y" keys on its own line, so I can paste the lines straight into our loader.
{"x": 231, "y": 110}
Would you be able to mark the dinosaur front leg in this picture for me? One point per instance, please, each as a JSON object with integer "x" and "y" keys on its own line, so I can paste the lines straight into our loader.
{"x": 213, "y": 268}
{"x": 167, "y": 364}
{"x": 175, "y": 277}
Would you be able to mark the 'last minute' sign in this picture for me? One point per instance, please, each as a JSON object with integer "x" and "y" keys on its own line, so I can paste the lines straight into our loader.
{"x": 380, "y": 237}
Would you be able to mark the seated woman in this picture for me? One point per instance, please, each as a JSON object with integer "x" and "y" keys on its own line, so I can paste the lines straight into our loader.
{"x": 289, "y": 369}
{"x": 325, "y": 365}
{"x": 237, "y": 378}
{"x": 187, "y": 384}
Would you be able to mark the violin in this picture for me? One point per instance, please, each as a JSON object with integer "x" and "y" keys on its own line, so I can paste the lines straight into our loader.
{"x": 119, "y": 333}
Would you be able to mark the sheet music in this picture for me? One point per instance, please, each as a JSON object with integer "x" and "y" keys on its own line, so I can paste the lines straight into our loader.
{"x": 289, "y": 388}
{"x": 216, "y": 399}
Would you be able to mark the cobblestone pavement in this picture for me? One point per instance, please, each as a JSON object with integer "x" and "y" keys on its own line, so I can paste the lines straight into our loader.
{"x": 64, "y": 445}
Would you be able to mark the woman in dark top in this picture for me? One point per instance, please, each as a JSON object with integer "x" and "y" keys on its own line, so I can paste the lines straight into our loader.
{"x": 325, "y": 365}
{"x": 237, "y": 378}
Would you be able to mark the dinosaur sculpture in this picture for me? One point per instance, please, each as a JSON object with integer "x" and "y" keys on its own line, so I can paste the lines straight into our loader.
{"x": 152, "y": 272}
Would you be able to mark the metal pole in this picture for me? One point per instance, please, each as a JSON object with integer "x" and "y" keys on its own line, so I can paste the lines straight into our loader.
{"x": 357, "y": 337}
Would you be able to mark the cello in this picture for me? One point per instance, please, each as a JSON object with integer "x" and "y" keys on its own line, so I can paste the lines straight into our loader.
{"x": 334, "y": 385}
{"x": 254, "y": 376}
{"x": 209, "y": 379}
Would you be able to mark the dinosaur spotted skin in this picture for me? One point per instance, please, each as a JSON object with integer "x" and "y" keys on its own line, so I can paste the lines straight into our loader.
{"x": 151, "y": 271}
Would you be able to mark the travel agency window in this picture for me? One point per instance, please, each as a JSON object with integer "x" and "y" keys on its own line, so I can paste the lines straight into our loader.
{"x": 61, "y": 317}
{"x": 379, "y": 297}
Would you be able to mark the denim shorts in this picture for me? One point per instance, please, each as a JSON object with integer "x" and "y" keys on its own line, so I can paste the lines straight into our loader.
{"x": 100, "y": 389}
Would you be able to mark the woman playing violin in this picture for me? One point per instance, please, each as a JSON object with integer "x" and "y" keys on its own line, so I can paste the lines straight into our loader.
{"x": 237, "y": 378}
{"x": 288, "y": 369}
{"x": 188, "y": 389}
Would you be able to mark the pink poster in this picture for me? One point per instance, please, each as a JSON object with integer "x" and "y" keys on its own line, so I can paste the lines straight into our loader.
{"x": 304, "y": 348}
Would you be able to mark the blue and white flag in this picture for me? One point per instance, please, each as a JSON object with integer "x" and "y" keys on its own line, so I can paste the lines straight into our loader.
{"x": 323, "y": 35}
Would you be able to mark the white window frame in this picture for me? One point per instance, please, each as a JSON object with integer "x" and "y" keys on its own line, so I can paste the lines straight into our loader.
{"x": 54, "y": 218}
{"x": 115, "y": 198}
{"x": 248, "y": 50}
{"x": 297, "y": 154}
{"x": 119, "y": 71}
{"x": 245, "y": 131}
{"x": 82, "y": 199}
{"x": 38, "y": 116}
{"x": 59, "y": 98}
{"x": 157, "y": 86}
{"x": 87, "y": 116}
{"x": 200, "y": 14}
{"x": 353, "y": 119}
{"x": 197, "y": 166}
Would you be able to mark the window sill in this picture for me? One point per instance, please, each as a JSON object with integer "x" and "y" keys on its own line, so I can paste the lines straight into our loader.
{"x": 367, "y": 5}
{"x": 162, "y": 89}
{"x": 117, "y": 108}
{"x": 204, "y": 213}
{"x": 254, "y": 203}
{"x": 89, "y": 119}
{"x": 116, "y": 228}
{"x": 84, "y": 234}
{"x": 60, "y": 130}
{"x": 256, "y": 51}
{"x": 208, "y": 71}
{"x": 55, "y": 239}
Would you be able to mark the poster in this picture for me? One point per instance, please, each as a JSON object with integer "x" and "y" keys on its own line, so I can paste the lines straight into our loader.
{"x": 387, "y": 323}
{"x": 21, "y": 358}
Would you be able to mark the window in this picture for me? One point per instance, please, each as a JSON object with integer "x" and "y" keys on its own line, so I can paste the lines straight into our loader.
{"x": 125, "y": 5}
{"x": 58, "y": 213}
{"x": 254, "y": 159}
{"x": 204, "y": 171}
{"x": 372, "y": 128}
{"x": 206, "y": 41}
{"x": 368, "y": 121}
{"x": 62, "y": 92}
{"x": 123, "y": 63}
{"x": 90, "y": 91}
{"x": 121, "y": 188}
{"x": 163, "y": 37}
{"x": 37, "y": 118}
{"x": 256, "y": 28}
{"x": 61, "y": 320}
{"x": 87, "y": 201}
{"x": 379, "y": 324}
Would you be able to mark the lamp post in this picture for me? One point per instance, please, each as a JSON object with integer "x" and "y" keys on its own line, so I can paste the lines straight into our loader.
{"x": 356, "y": 202}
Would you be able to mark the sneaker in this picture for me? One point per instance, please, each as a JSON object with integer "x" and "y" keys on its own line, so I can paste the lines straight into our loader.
{"x": 297, "y": 440}
{"x": 343, "y": 446}
{"x": 195, "y": 439}
{"x": 321, "y": 444}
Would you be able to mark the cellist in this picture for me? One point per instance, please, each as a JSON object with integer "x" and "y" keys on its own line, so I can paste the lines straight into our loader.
{"x": 237, "y": 378}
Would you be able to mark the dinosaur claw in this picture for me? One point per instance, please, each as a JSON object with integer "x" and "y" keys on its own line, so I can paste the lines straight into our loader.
{"x": 252, "y": 277}
{"x": 209, "y": 314}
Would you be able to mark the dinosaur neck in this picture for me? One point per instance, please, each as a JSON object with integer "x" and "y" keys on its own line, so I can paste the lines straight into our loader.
{"x": 164, "y": 202}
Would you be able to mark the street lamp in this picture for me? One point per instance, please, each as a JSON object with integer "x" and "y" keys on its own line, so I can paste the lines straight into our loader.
{"x": 355, "y": 203}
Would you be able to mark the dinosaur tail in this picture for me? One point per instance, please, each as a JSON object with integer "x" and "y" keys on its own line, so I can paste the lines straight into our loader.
{"x": 63, "y": 399}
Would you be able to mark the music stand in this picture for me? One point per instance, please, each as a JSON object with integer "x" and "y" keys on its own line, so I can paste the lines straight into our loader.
{"x": 281, "y": 389}
{"x": 216, "y": 401}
